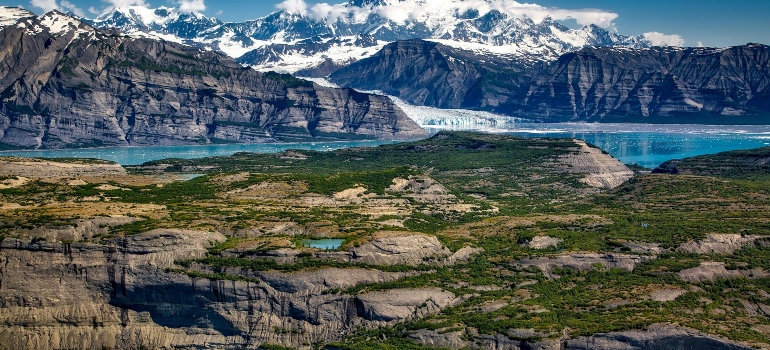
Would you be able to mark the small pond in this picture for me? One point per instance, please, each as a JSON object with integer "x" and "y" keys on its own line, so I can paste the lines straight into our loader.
{"x": 326, "y": 244}
{"x": 188, "y": 177}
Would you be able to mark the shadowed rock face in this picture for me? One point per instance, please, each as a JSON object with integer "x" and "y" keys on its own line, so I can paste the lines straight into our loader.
{"x": 655, "y": 85}
{"x": 431, "y": 74}
{"x": 65, "y": 84}
{"x": 125, "y": 296}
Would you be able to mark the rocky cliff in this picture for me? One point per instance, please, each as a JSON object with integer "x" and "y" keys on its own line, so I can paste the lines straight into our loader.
{"x": 655, "y": 85}
{"x": 127, "y": 296}
{"x": 432, "y": 74}
{"x": 65, "y": 84}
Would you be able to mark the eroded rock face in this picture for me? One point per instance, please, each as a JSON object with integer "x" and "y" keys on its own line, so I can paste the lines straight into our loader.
{"x": 402, "y": 304}
{"x": 711, "y": 271}
{"x": 127, "y": 295}
{"x": 543, "y": 242}
{"x": 596, "y": 84}
{"x": 716, "y": 243}
{"x": 585, "y": 262}
{"x": 409, "y": 250}
{"x": 65, "y": 84}
{"x": 603, "y": 170}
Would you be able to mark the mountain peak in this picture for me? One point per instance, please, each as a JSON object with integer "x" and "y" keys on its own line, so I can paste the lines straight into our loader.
{"x": 11, "y": 15}
{"x": 58, "y": 22}
{"x": 282, "y": 35}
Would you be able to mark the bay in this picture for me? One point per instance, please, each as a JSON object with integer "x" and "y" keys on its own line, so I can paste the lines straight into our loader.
{"x": 643, "y": 144}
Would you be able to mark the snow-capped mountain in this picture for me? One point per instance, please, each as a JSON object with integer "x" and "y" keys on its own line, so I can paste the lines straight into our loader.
{"x": 330, "y": 36}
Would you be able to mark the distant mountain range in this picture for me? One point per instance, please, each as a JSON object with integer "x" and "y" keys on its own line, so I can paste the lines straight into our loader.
{"x": 316, "y": 44}
{"x": 65, "y": 84}
{"x": 595, "y": 84}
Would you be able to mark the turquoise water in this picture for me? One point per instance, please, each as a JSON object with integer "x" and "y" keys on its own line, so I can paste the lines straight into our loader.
{"x": 326, "y": 244}
{"x": 646, "y": 145}
{"x": 188, "y": 177}
{"x": 138, "y": 155}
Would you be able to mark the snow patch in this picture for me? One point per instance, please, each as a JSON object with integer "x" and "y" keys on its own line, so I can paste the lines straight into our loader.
{"x": 12, "y": 15}
{"x": 693, "y": 103}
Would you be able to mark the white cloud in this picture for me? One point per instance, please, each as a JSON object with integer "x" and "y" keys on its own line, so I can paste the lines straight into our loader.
{"x": 72, "y": 8}
{"x": 660, "y": 39}
{"x": 294, "y": 7}
{"x": 94, "y": 11}
{"x": 700, "y": 44}
{"x": 45, "y": 5}
{"x": 191, "y": 5}
{"x": 219, "y": 13}
{"x": 401, "y": 12}
{"x": 63, "y": 6}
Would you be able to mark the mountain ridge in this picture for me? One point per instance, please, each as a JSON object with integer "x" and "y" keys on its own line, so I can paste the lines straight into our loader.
{"x": 262, "y": 42}
{"x": 595, "y": 84}
{"x": 65, "y": 84}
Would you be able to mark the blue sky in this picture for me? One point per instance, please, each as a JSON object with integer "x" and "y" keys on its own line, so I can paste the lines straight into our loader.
{"x": 709, "y": 22}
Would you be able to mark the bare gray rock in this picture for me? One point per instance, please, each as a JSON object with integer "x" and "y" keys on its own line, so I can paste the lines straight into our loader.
{"x": 402, "y": 304}
{"x": 584, "y": 262}
{"x": 603, "y": 170}
{"x": 716, "y": 243}
{"x": 543, "y": 242}
{"x": 66, "y": 84}
{"x": 81, "y": 229}
{"x": 402, "y": 249}
{"x": 710, "y": 271}
{"x": 451, "y": 340}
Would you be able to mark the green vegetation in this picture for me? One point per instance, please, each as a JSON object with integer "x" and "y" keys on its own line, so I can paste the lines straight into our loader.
{"x": 469, "y": 190}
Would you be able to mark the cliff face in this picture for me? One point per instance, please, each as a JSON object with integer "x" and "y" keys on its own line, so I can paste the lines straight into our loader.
{"x": 432, "y": 74}
{"x": 656, "y": 85}
{"x": 65, "y": 84}
{"x": 123, "y": 296}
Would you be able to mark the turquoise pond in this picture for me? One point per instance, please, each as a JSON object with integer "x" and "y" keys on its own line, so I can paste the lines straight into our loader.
{"x": 326, "y": 244}
{"x": 646, "y": 145}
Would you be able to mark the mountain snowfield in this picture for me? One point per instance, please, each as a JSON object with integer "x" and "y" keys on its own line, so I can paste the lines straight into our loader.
{"x": 300, "y": 37}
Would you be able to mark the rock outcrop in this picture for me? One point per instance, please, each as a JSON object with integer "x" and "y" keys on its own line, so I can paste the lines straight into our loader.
{"x": 403, "y": 304}
{"x": 584, "y": 262}
{"x": 603, "y": 171}
{"x": 712, "y": 271}
{"x": 66, "y": 84}
{"x": 543, "y": 242}
{"x": 408, "y": 250}
{"x": 716, "y": 243}
{"x": 129, "y": 295}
